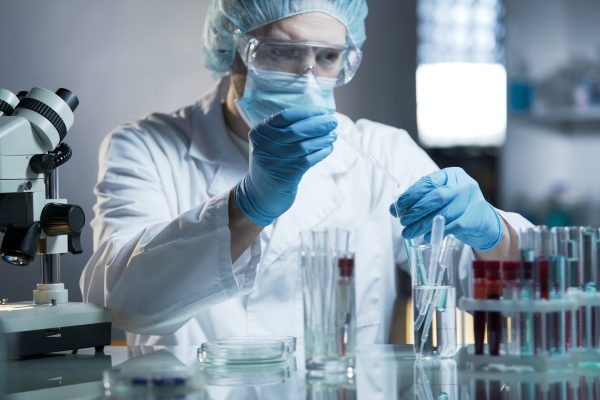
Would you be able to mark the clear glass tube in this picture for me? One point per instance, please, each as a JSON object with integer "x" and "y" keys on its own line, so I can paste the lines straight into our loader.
{"x": 329, "y": 306}
{"x": 510, "y": 291}
{"x": 368, "y": 157}
{"x": 568, "y": 242}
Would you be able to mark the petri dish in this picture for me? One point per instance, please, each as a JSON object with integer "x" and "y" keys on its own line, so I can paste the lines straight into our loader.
{"x": 288, "y": 341}
{"x": 249, "y": 375}
{"x": 242, "y": 351}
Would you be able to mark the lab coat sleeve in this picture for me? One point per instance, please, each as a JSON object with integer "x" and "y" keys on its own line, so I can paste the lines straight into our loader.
{"x": 514, "y": 220}
{"x": 155, "y": 270}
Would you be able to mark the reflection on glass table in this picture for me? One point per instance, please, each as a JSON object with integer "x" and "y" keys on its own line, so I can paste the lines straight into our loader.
{"x": 382, "y": 372}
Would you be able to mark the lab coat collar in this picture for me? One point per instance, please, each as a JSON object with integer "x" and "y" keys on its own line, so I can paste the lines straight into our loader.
{"x": 210, "y": 141}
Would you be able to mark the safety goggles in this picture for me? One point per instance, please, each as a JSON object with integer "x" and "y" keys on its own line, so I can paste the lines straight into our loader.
{"x": 336, "y": 64}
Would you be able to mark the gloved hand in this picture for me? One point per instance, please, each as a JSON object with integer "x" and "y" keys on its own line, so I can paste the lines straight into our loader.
{"x": 455, "y": 195}
{"x": 284, "y": 147}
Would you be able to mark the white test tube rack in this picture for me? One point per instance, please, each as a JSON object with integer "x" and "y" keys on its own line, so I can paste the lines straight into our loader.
{"x": 589, "y": 306}
{"x": 539, "y": 359}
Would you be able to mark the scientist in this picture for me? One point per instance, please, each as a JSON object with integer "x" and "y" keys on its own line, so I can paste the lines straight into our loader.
{"x": 198, "y": 212}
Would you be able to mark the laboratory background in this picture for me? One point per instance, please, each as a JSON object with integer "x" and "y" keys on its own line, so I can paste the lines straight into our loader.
{"x": 513, "y": 99}
{"x": 532, "y": 152}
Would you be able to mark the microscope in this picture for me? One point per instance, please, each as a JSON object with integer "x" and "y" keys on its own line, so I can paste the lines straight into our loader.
{"x": 35, "y": 220}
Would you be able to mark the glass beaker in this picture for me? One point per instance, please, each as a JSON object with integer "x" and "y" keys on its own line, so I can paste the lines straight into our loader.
{"x": 329, "y": 301}
{"x": 434, "y": 297}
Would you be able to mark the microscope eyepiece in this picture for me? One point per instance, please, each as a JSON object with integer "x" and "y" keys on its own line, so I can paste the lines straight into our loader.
{"x": 69, "y": 97}
{"x": 51, "y": 114}
{"x": 8, "y": 102}
{"x": 45, "y": 111}
{"x": 5, "y": 108}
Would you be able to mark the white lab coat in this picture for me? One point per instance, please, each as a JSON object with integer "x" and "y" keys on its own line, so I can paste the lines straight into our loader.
{"x": 162, "y": 244}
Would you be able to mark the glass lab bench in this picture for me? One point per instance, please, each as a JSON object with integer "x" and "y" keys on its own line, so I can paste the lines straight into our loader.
{"x": 382, "y": 372}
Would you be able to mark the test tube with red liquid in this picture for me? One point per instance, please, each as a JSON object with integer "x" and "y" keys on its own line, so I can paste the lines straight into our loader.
{"x": 494, "y": 318}
{"x": 479, "y": 292}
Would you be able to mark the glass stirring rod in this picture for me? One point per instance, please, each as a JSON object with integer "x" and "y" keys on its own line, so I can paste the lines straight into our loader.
{"x": 366, "y": 156}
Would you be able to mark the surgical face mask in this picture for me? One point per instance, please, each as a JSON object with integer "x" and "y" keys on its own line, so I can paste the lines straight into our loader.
{"x": 275, "y": 91}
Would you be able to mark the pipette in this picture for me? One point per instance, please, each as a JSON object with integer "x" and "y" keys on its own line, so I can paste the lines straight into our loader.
{"x": 366, "y": 155}
{"x": 445, "y": 260}
{"x": 437, "y": 236}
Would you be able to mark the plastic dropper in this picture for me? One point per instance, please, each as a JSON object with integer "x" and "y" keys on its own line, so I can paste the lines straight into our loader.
{"x": 445, "y": 260}
{"x": 437, "y": 237}
{"x": 366, "y": 155}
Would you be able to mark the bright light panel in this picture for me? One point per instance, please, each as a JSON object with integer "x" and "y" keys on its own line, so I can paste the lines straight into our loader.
{"x": 461, "y": 104}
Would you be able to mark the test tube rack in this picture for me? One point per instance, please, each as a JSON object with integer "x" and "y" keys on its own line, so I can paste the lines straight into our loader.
{"x": 539, "y": 352}
{"x": 575, "y": 383}
{"x": 589, "y": 305}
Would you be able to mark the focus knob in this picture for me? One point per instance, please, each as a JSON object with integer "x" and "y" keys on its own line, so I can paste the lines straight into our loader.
{"x": 62, "y": 219}
{"x": 42, "y": 163}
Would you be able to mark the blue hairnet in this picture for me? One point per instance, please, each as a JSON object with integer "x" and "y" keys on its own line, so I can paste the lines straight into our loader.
{"x": 227, "y": 18}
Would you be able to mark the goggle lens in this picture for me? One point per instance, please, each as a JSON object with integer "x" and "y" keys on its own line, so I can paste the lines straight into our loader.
{"x": 324, "y": 61}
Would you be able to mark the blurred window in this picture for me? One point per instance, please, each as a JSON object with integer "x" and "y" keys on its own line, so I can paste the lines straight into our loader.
{"x": 461, "y": 78}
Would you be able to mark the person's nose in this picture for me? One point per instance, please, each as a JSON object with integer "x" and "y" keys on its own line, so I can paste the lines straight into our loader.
{"x": 309, "y": 63}
{"x": 309, "y": 68}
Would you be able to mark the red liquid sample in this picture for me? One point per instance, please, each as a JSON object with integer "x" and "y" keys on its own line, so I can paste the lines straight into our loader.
{"x": 479, "y": 292}
{"x": 346, "y": 267}
{"x": 494, "y": 318}
{"x": 346, "y": 273}
{"x": 542, "y": 274}
{"x": 541, "y": 266}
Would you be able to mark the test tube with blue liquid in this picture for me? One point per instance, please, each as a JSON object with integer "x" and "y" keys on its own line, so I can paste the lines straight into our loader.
{"x": 591, "y": 265}
{"x": 558, "y": 332}
{"x": 510, "y": 291}
{"x": 527, "y": 244}
{"x": 567, "y": 242}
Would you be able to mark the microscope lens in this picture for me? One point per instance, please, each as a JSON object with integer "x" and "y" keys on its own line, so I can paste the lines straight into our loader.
{"x": 69, "y": 97}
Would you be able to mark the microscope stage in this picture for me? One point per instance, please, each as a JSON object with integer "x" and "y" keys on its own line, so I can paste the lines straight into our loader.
{"x": 38, "y": 329}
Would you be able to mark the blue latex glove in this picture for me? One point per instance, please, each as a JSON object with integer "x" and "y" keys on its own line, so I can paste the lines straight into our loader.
{"x": 455, "y": 195}
{"x": 285, "y": 146}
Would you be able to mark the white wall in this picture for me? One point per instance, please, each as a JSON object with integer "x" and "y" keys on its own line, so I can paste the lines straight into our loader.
{"x": 123, "y": 59}
{"x": 549, "y": 33}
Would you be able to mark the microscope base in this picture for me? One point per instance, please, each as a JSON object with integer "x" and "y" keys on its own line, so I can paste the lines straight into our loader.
{"x": 40, "y": 329}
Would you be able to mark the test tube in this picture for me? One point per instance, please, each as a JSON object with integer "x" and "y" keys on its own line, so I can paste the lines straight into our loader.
{"x": 345, "y": 293}
{"x": 557, "y": 331}
{"x": 590, "y": 271}
{"x": 527, "y": 244}
{"x": 479, "y": 292}
{"x": 542, "y": 293}
{"x": 526, "y": 318}
{"x": 494, "y": 318}
{"x": 510, "y": 291}
{"x": 567, "y": 241}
